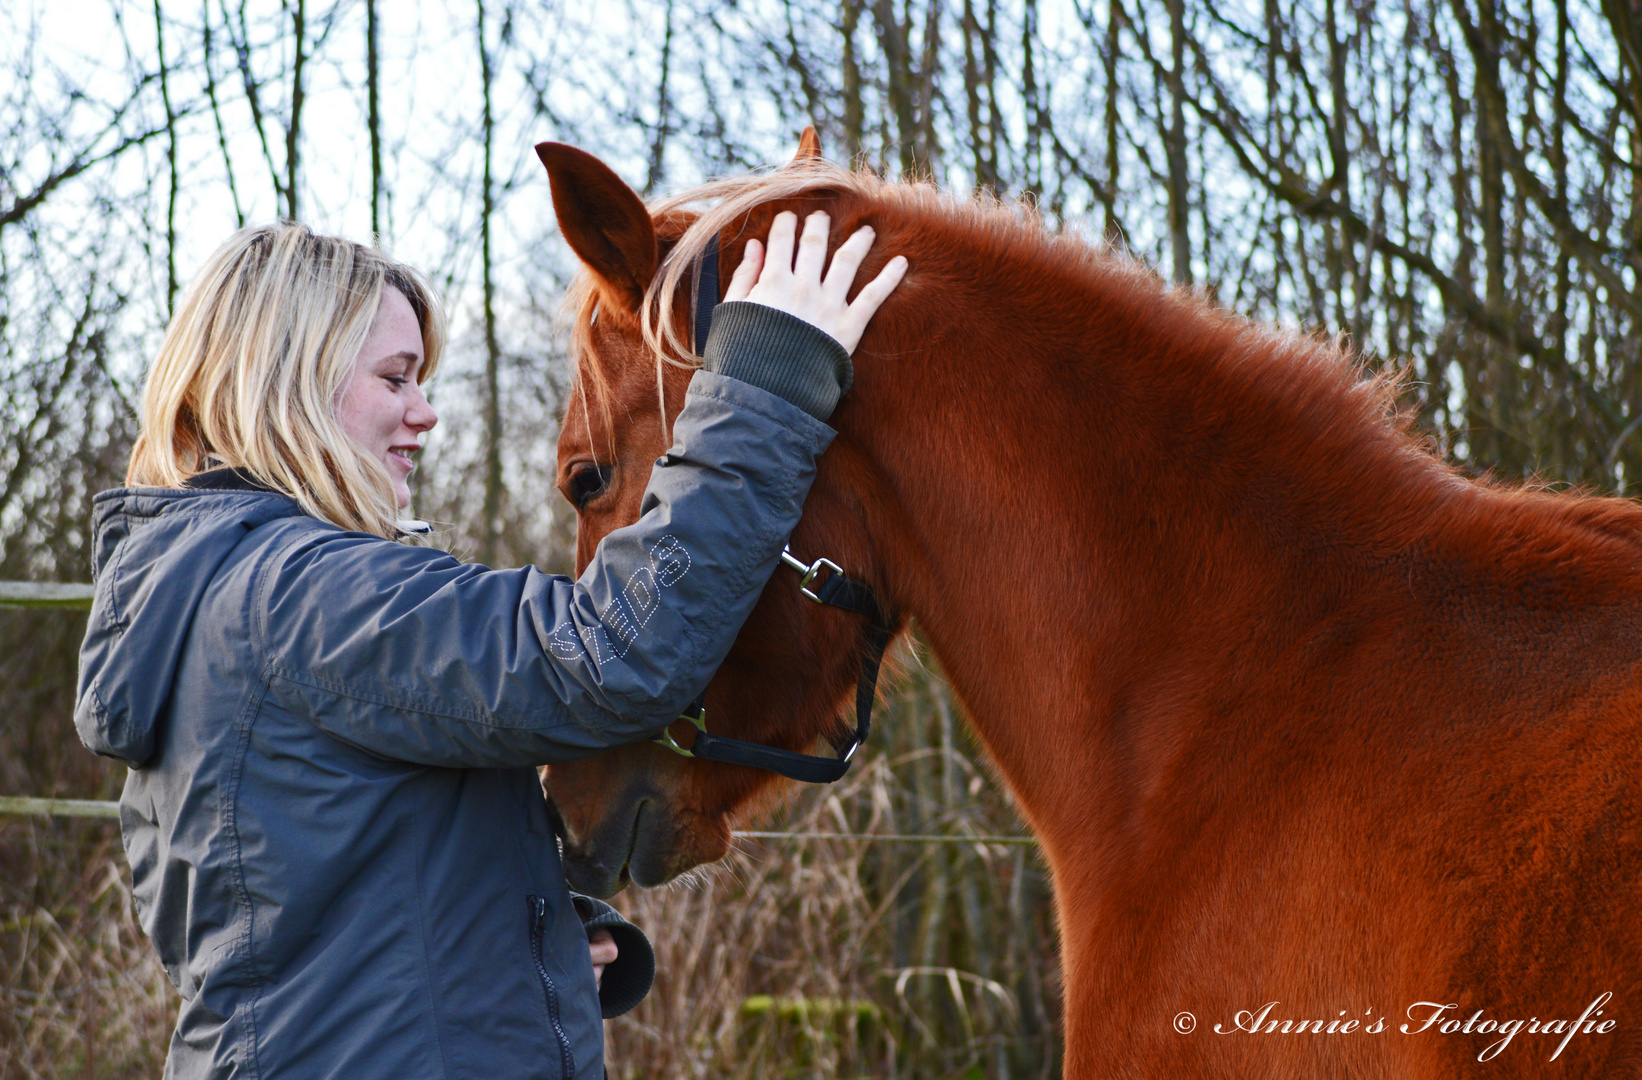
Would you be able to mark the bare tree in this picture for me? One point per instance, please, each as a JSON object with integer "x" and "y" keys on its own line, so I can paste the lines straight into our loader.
{"x": 491, "y": 523}
{"x": 170, "y": 162}
{"x": 1452, "y": 184}
{"x": 373, "y": 117}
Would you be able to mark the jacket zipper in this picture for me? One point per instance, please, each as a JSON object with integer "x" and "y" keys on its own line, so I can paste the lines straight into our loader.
{"x": 538, "y": 926}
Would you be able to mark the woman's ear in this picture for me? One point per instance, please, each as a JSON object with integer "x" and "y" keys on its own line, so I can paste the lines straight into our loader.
{"x": 603, "y": 220}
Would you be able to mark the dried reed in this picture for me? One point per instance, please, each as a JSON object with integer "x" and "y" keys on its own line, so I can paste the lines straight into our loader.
{"x": 810, "y": 957}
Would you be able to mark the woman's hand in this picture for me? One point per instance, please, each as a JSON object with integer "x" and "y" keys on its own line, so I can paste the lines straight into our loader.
{"x": 602, "y": 948}
{"x": 777, "y": 279}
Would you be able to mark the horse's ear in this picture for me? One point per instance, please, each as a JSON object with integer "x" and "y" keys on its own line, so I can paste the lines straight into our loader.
{"x": 602, "y": 219}
{"x": 809, "y": 147}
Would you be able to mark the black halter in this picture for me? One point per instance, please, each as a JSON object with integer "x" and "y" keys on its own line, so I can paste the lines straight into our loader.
{"x": 821, "y": 581}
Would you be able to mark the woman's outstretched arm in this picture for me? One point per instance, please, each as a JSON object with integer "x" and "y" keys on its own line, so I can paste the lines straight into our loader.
{"x": 413, "y": 656}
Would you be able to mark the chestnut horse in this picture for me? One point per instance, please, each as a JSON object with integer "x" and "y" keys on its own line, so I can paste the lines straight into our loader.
{"x": 1331, "y": 749}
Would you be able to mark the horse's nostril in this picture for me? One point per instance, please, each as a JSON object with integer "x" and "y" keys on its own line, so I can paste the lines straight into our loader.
{"x": 633, "y": 837}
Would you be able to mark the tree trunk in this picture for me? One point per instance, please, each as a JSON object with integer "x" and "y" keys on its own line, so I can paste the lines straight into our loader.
{"x": 1180, "y": 241}
{"x": 658, "y": 135}
{"x": 293, "y": 131}
{"x": 854, "y": 107}
{"x": 208, "y": 36}
{"x": 892, "y": 40}
{"x": 491, "y": 525}
{"x": 1109, "y": 221}
{"x": 171, "y": 165}
{"x": 373, "y": 119}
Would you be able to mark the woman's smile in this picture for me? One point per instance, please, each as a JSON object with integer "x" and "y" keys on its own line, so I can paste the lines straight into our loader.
{"x": 401, "y": 456}
{"x": 382, "y": 405}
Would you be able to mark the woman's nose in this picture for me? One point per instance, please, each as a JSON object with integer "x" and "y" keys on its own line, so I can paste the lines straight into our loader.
{"x": 420, "y": 416}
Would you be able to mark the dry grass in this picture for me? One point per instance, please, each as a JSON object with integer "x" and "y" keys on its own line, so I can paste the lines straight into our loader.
{"x": 852, "y": 958}
{"x": 794, "y": 958}
{"x": 83, "y": 994}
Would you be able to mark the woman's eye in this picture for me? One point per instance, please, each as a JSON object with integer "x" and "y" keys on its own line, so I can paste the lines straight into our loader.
{"x": 587, "y": 482}
{"x": 398, "y": 381}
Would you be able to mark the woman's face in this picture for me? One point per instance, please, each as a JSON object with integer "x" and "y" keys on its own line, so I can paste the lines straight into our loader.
{"x": 382, "y": 404}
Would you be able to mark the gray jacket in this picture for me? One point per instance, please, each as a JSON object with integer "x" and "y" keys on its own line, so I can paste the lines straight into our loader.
{"x": 338, "y": 844}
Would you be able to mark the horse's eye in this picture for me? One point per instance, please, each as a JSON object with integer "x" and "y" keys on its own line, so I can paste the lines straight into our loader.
{"x": 587, "y": 482}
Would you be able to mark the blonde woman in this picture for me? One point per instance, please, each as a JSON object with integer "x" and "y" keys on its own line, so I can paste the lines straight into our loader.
{"x": 337, "y": 842}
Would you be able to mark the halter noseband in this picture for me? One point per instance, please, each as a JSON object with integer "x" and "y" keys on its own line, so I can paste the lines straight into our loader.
{"x": 821, "y": 581}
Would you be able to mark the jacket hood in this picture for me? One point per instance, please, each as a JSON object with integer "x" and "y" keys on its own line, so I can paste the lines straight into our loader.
{"x": 155, "y": 550}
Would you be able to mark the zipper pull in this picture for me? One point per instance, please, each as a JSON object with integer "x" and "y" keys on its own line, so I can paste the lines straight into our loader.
{"x": 538, "y": 914}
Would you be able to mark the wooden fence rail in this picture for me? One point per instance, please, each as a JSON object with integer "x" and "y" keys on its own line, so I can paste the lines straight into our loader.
{"x": 33, "y": 594}
{"x": 92, "y": 808}
{"x": 45, "y": 594}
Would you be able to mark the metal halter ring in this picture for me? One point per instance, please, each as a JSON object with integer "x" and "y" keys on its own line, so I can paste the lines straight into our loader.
{"x": 665, "y": 736}
{"x": 810, "y": 572}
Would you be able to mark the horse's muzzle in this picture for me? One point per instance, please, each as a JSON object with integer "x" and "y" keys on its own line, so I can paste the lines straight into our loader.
{"x": 642, "y": 840}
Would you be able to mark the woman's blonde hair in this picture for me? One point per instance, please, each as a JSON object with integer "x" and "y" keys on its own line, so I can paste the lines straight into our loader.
{"x": 255, "y": 360}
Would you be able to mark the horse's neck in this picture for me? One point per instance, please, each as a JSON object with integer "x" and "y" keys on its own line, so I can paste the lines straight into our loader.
{"x": 1096, "y": 538}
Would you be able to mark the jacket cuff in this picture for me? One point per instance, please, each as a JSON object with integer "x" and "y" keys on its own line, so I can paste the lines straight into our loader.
{"x": 780, "y": 353}
{"x": 628, "y": 980}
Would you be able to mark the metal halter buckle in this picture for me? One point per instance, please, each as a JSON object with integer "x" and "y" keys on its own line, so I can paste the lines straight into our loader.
{"x": 810, "y": 572}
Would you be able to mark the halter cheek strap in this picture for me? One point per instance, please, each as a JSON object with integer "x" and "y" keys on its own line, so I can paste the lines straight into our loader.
{"x": 836, "y": 590}
{"x": 821, "y": 581}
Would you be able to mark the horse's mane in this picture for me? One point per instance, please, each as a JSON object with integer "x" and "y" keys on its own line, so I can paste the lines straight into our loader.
{"x": 1323, "y": 372}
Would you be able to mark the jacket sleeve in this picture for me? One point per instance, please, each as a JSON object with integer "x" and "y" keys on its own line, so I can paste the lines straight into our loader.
{"x": 627, "y": 980}
{"x": 408, "y": 654}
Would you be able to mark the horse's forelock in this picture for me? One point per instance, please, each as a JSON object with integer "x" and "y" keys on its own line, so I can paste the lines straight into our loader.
{"x": 588, "y": 371}
{"x": 729, "y": 199}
